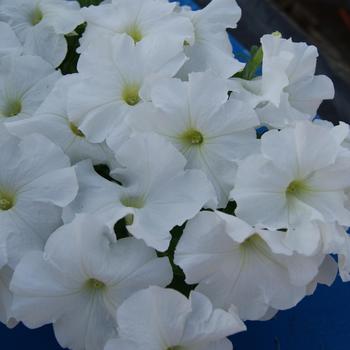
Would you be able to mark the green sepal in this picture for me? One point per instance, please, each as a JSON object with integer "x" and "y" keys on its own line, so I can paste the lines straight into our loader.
{"x": 250, "y": 70}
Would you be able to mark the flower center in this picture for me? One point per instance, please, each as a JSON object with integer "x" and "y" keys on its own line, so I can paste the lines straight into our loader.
{"x": 75, "y": 130}
{"x": 36, "y": 16}
{"x": 133, "y": 202}
{"x": 250, "y": 242}
{"x": 130, "y": 95}
{"x": 134, "y": 32}
{"x": 94, "y": 284}
{"x": 296, "y": 187}
{"x": 192, "y": 137}
{"x": 6, "y": 202}
{"x": 13, "y": 108}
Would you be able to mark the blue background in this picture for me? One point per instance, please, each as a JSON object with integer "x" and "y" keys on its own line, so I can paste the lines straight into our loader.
{"x": 319, "y": 322}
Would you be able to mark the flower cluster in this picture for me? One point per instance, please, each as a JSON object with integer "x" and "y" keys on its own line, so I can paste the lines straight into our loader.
{"x": 155, "y": 192}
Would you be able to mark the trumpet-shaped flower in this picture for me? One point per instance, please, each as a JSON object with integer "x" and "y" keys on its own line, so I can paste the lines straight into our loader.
{"x": 52, "y": 120}
{"x": 41, "y": 25}
{"x": 288, "y": 89}
{"x": 158, "y": 319}
{"x": 80, "y": 279}
{"x": 211, "y": 48}
{"x": 9, "y": 43}
{"x": 35, "y": 183}
{"x": 210, "y": 130}
{"x": 107, "y": 92}
{"x": 156, "y": 193}
{"x": 254, "y": 269}
{"x": 146, "y": 21}
{"x": 300, "y": 175}
{"x": 25, "y": 81}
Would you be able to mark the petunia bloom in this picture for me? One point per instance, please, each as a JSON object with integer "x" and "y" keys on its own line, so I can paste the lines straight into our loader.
{"x": 41, "y": 25}
{"x": 52, "y": 120}
{"x": 253, "y": 268}
{"x": 300, "y": 175}
{"x": 288, "y": 89}
{"x": 80, "y": 279}
{"x": 156, "y": 192}
{"x": 212, "y": 131}
{"x": 36, "y": 181}
{"x": 25, "y": 81}
{"x": 106, "y": 94}
{"x": 158, "y": 319}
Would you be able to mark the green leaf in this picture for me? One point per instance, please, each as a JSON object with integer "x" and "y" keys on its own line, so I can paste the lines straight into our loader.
{"x": 69, "y": 64}
{"x": 250, "y": 69}
{"x": 178, "y": 281}
{"x": 120, "y": 229}
{"x": 230, "y": 209}
{"x": 86, "y": 3}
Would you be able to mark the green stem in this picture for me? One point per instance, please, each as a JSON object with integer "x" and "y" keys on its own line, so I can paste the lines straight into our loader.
{"x": 249, "y": 71}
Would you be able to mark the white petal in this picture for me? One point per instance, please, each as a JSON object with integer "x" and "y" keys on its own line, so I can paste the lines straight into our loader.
{"x": 171, "y": 204}
{"x": 28, "y": 226}
{"x": 97, "y": 195}
{"x": 58, "y": 187}
{"x": 88, "y": 326}
{"x": 6, "y": 298}
{"x": 207, "y": 94}
{"x": 154, "y": 317}
{"x": 121, "y": 344}
{"x": 36, "y": 44}
{"x": 9, "y": 43}
{"x": 260, "y": 193}
{"x": 307, "y": 95}
{"x": 37, "y": 283}
{"x": 206, "y": 324}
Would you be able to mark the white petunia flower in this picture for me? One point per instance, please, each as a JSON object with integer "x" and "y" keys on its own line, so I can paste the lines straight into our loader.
{"x": 145, "y": 21}
{"x": 288, "y": 89}
{"x": 52, "y": 120}
{"x": 41, "y": 25}
{"x": 236, "y": 264}
{"x": 211, "y": 131}
{"x": 156, "y": 195}
{"x": 301, "y": 175}
{"x": 79, "y": 281}
{"x": 163, "y": 319}
{"x": 110, "y": 90}
{"x": 212, "y": 48}
{"x": 25, "y": 81}
{"x": 35, "y": 183}
{"x": 9, "y": 43}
